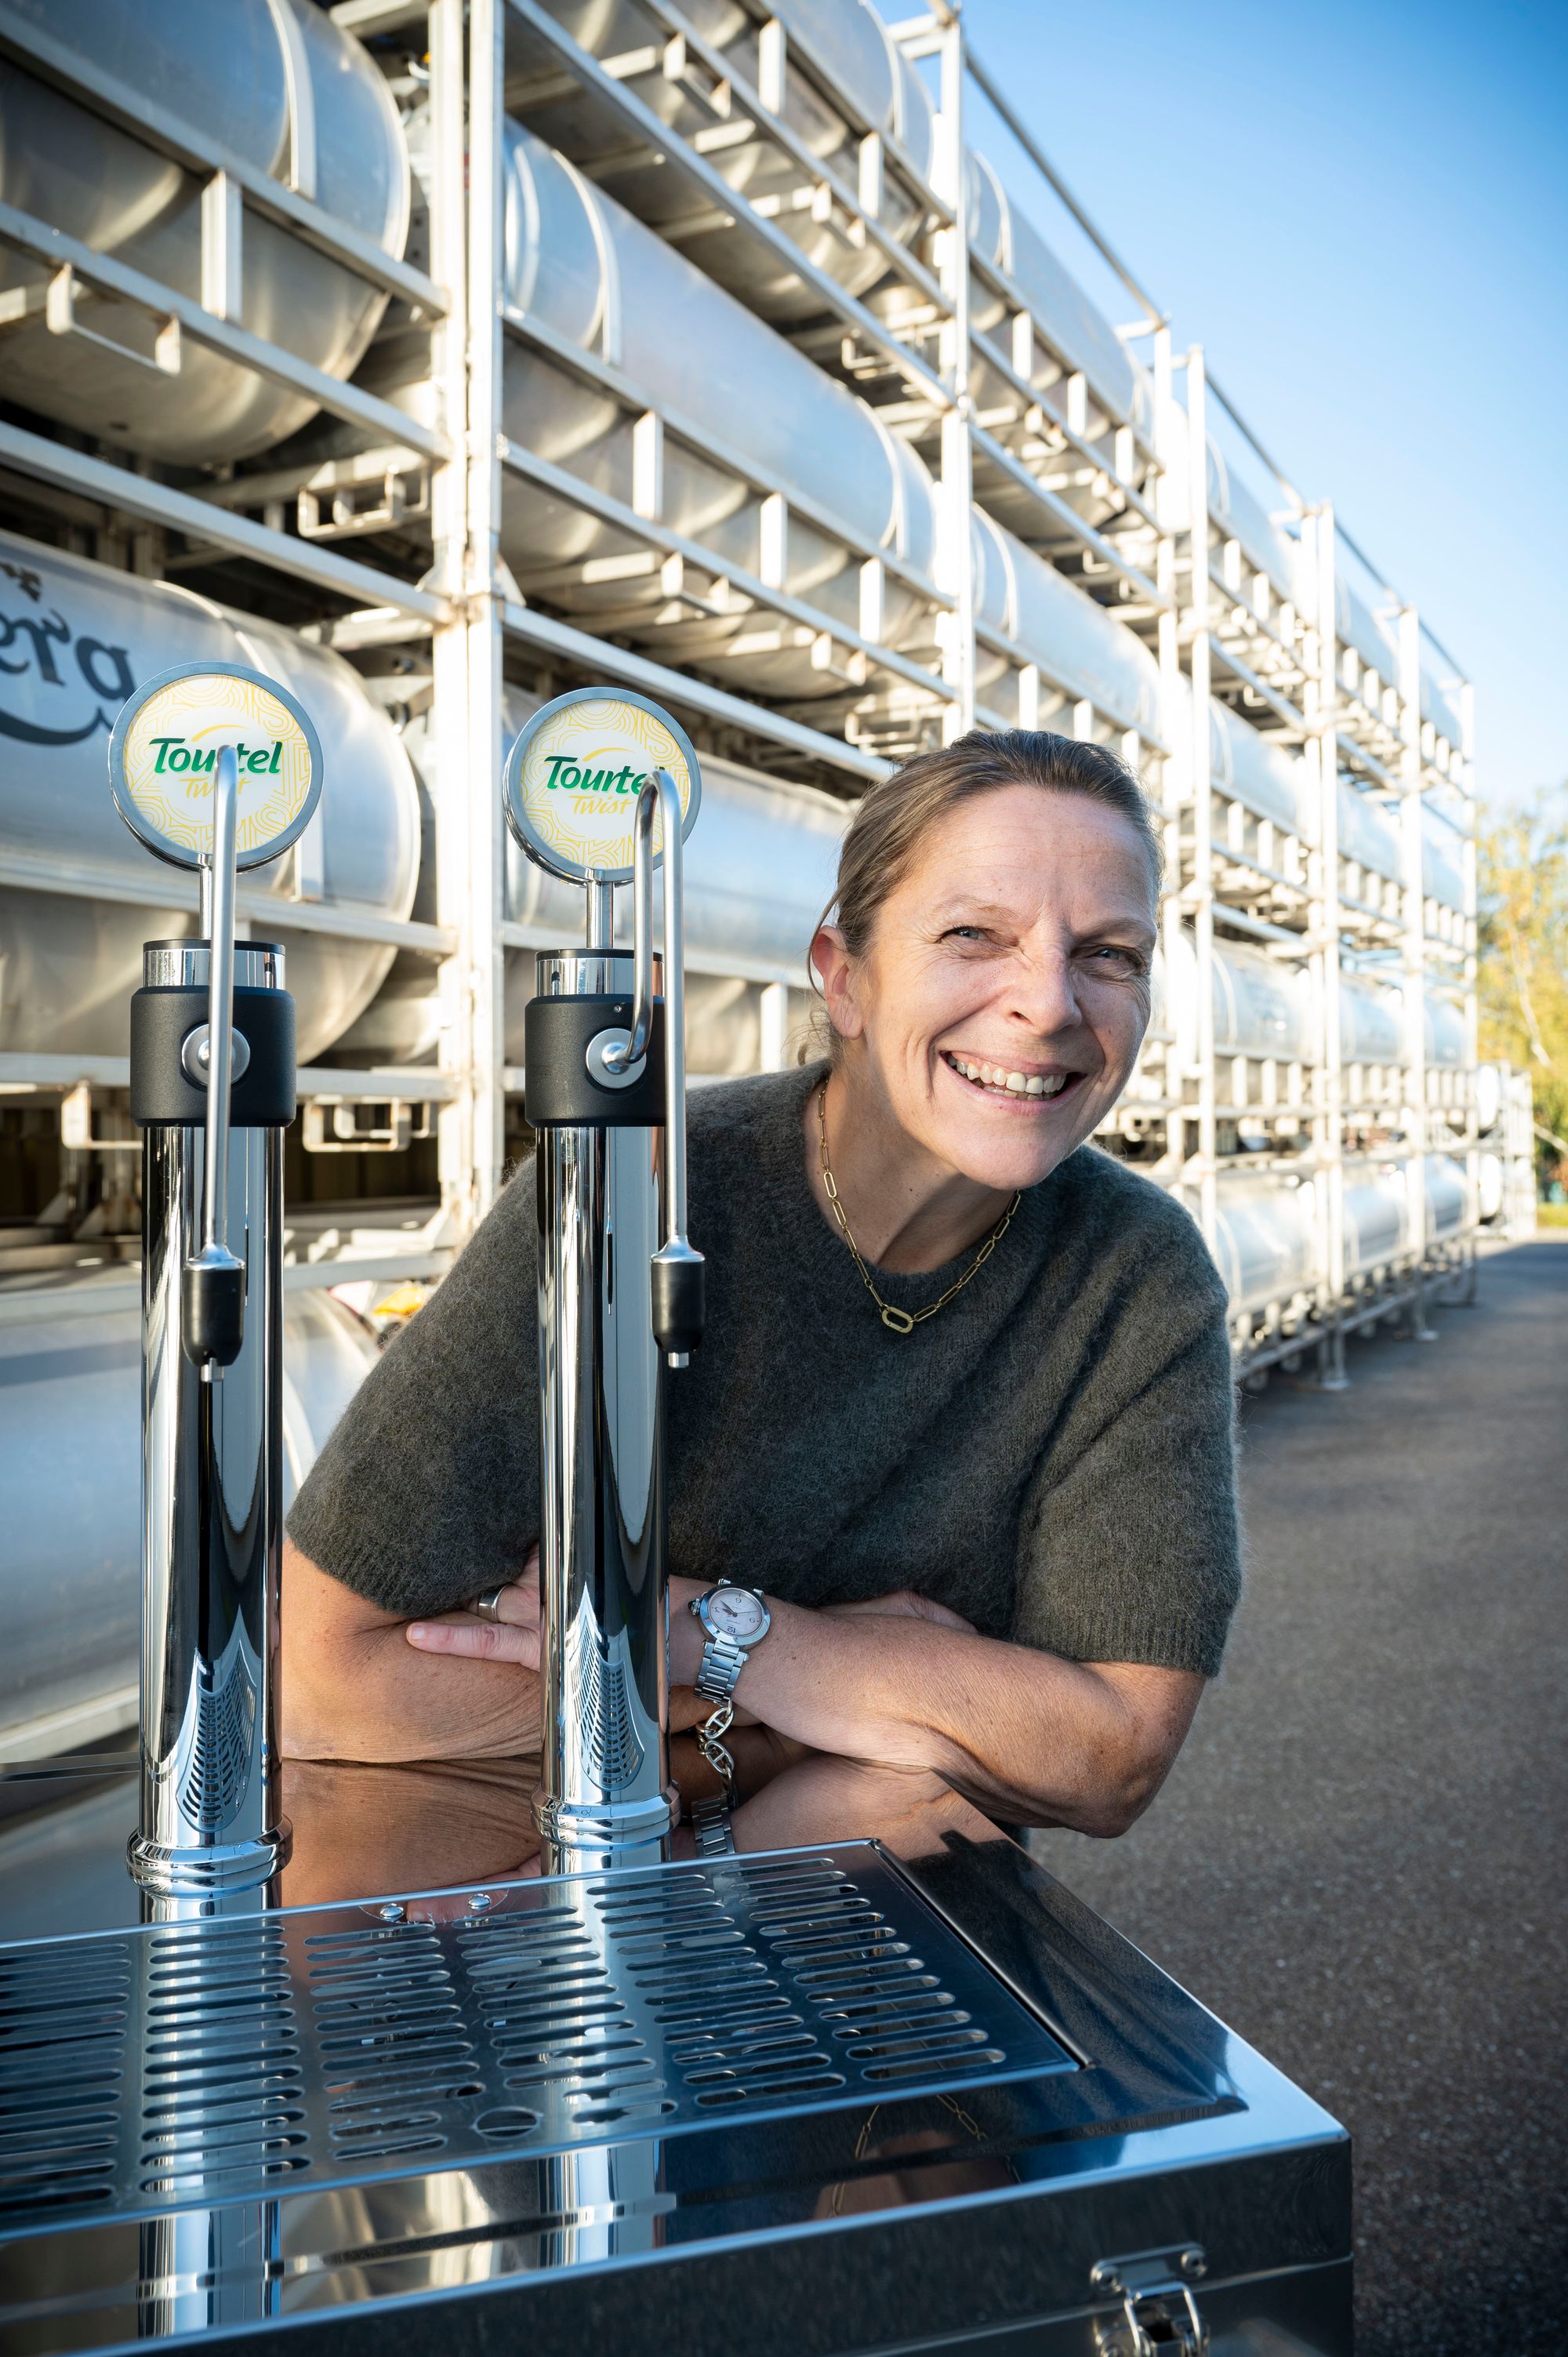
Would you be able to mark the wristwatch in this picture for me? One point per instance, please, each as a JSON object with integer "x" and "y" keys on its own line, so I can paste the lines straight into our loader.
{"x": 733, "y": 1620}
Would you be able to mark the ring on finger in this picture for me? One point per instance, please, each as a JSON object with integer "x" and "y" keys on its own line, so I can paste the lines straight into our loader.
{"x": 488, "y": 1607}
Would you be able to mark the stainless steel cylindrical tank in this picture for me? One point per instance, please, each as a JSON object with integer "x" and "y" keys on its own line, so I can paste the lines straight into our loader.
{"x": 1074, "y": 338}
{"x": 292, "y": 95}
{"x": 1437, "y": 705}
{"x": 70, "y": 1479}
{"x": 1367, "y": 633}
{"x": 1440, "y": 876}
{"x": 1239, "y": 514}
{"x": 75, "y": 640}
{"x": 1491, "y": 1183}
{"x": 1376, "y": 1216}
{"x": 1235, "y": 512}
{"x": 1119, "y": 390}
{"x": 588, "y": 270}
{"x": 1080, "y": 648}
{"x": 1265, "y": 1238}
{"x": 1491, "y": 1096}
{"x": 1377, "y": 1225}
{"x": 1450, "y": 1203}
{"x": 1444, "y": 1033}
{"x": 1259, "y": 772}
{"x": 1371, "y": 1022}
{"x": 1368, "y": 834}
{"x": 1261, "y": 1008}
{"x": 885, "y": 91}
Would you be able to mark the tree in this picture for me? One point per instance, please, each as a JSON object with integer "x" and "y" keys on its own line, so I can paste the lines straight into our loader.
{"x": 1524, "y": 956}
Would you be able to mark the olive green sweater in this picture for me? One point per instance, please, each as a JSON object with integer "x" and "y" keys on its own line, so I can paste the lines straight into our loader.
{"x": 1051, "y": 1455}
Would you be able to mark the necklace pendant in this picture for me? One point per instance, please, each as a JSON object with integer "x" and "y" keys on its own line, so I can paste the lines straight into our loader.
{"x": 899, "y": 1320}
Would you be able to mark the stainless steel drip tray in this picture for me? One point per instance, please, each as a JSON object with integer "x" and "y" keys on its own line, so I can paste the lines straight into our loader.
{"x": 178, "y": 2065}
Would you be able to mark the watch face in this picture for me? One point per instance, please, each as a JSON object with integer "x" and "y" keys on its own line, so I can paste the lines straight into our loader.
{"x": 736, "y": 1612}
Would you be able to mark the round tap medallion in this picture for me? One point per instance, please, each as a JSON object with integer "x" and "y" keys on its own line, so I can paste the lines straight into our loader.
{"x": 163, "y": 759}
{"x": 574, "y": 777}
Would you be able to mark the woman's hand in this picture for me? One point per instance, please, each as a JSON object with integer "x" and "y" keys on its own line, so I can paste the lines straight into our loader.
{"x": 511, "y": 1636}
{"x": 514, "y": 1635}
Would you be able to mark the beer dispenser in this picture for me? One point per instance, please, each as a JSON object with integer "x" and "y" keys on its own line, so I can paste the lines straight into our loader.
{"x": 587, "y": 784}
{"x": 218, "y": 769}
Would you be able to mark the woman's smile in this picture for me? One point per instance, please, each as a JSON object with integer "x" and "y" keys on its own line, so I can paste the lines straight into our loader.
{"x": 1029, "y": 1087}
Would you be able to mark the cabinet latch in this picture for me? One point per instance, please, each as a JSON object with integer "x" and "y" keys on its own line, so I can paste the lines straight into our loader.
{"x": 1159, "y": 2311}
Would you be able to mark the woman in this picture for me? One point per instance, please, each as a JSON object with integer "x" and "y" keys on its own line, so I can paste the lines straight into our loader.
{"x": 963, "y": 1410}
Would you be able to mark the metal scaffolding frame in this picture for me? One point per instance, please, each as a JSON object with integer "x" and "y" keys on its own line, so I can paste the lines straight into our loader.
{"x": 1221, "y": 631}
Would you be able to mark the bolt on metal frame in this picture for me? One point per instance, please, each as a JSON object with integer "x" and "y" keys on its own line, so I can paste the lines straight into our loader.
{"x": 1219, "y": 629}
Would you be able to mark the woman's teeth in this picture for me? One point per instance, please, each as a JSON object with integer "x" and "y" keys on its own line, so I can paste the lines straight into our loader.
{"x": 1003, "y": 1083}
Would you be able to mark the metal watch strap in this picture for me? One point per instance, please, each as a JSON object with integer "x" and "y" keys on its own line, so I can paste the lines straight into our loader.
{"x": 710, "y": 1827}
{"x": 722, "y": 1663}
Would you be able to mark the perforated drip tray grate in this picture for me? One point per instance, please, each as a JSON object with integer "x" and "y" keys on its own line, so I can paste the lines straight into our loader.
{"x": 219, "y": 2061}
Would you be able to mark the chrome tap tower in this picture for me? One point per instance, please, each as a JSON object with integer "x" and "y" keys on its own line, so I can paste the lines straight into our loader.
{"x": 620, "y": 1289}
{"x": 219, "y": 769}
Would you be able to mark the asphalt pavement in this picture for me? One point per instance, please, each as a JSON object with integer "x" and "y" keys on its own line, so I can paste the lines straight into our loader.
{"x": 1361, "y": 1861}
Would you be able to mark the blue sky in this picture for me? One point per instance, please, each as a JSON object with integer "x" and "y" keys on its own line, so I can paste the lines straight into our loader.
{"x": 1361, "y": 212}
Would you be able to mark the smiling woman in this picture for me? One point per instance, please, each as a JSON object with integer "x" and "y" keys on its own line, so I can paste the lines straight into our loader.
{"x": 962, "y": 1417}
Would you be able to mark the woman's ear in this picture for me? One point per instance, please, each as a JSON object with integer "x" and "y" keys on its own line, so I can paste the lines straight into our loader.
{"x": 834, "y": 970}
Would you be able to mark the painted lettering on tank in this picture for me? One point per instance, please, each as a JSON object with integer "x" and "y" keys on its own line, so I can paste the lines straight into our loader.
{"x": 41, "y": 642}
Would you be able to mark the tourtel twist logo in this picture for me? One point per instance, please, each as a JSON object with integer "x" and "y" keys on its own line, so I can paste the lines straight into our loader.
{"x": 163, "y": 761}
{"x": 573, "y": 776}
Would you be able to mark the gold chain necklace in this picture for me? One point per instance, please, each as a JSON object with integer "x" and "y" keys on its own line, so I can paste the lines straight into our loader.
{"x": 901, "y": 1321}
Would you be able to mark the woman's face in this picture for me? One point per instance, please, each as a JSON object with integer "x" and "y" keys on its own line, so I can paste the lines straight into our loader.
{"x": 1005, "y": 993}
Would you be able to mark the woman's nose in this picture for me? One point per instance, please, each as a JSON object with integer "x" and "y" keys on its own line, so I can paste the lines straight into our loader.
{"x": 1044, "y": 994}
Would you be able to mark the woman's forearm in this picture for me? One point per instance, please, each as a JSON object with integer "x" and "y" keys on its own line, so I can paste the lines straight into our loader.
{"x": 1025, "y": 1735}
{"x": 352, "y": 1688}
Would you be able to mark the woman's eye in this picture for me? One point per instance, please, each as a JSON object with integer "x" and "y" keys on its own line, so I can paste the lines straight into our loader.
{"x": 1126, "y": 961}
{"x": 966, "y": 934}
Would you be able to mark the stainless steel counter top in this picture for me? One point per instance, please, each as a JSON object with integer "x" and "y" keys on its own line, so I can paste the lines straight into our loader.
{"x": 882, "y": 2083}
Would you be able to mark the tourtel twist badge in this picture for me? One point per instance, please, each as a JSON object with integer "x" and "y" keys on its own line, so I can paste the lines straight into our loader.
{"x": 601, "y": 789}
{"x": 218, "y": 769}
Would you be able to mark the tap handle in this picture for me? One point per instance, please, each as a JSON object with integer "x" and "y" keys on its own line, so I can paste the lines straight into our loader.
{"x": 213, "y": 1280}
{"x": 679, "y": 1269}
{"x": 630, "y": 1053}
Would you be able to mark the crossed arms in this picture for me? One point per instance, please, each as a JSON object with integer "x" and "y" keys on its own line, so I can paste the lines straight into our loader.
{"x": 1025, "y": 1735}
